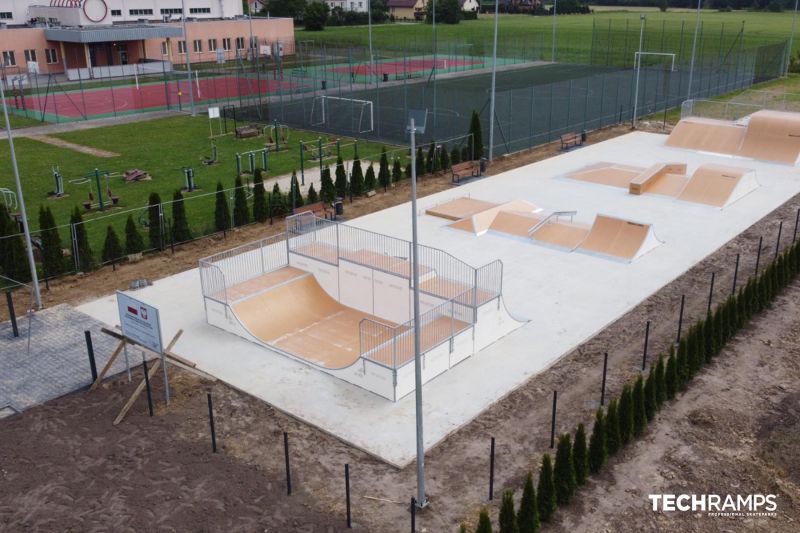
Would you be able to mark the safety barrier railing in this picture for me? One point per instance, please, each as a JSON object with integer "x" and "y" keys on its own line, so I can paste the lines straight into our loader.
{"x": 393, "y": 346}
{"x": 313, "y": 237}
{"x": 717, "y": 109}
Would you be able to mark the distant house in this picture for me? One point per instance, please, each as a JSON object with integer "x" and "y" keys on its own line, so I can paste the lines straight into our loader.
{"x": 402, "y": 9}
{"x": 510, "y": 6}
{"x": 349, "y": 5}
{"x": 469, "y": 5}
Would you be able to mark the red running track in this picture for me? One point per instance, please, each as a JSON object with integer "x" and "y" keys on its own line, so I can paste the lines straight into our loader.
{"x": 410, "y": 65}
{"x": 105, "y": 101}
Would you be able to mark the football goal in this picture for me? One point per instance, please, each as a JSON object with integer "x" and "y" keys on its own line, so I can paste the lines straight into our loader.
{"x": 340, "y": 113}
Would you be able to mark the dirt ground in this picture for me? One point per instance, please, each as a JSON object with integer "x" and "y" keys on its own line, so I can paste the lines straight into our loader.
{"x": 250, "y": 432}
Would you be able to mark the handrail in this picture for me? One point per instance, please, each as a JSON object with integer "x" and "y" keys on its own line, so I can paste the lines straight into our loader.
{"x": 548, "y": 217}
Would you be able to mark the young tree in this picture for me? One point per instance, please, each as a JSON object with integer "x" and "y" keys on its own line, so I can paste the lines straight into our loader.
{"x": 484, "y": 523}
{"x": 112, "y": 249}
{"x": 597, "y": 443}
{"x": 430, "y": 158}
{"x": 650, "y": 405}
{"x": 625, "y": 413}
{"x": 408, "y": 171}
{"x": 564, "y": 470}
{"x": 180, "y": 226}
{"x": 260, "y": 213}
{"x": 222, "y": 214}
{"x": 420, "y": 162}
{"x": 671, "y": 377}
{"x": 397, "y": 171}
{"x": 13, "y": 258}
{"x": 444, "y": 159}
{"x": 384, "y": 176}
{"x": 241, "y": 216}
{"x": 133, "y": 240}
{"x": 295, "y": 198}
{"x": 277, "y": 200}
{"x": 528, "y": 514}
{"x": 661, "y": 383}
{"x": 327, "y": 191}
{"x": 356, "y": 178}
{"x": 341, "y": 179}
{"x": 546, "y": 491}
{"x": 52, "y": 252}
{"x": 447, "y": 12}
{"x": 476, "y": 140}
{"x": 580, "y": 456}
{"x": 155, "y": 230}
{"x": 613, "y": 440}
{"x": 455, "y": 156}
{"x": 639, "y": 415}
{"x": 369, "y": 179}
{"x": 80, "y": 246}
{"x": 312, "y": 197}
{"x": 680, "y": 362}
{"x": 6, "y": 230}
{"x": 508, "y": 518}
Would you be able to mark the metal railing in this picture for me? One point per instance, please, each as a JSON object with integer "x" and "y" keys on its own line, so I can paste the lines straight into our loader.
{"x": 718, "y": 109}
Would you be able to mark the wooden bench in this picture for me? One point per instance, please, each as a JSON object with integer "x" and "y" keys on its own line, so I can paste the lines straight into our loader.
{"x": 243, "y": 132}
{"x": 467, "y": 169}
{"x": 319, "y": 209}
{"x": 568, "y": 140}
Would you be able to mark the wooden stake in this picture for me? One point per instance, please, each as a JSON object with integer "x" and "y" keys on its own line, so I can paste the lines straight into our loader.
{"x": 106, "y": 368}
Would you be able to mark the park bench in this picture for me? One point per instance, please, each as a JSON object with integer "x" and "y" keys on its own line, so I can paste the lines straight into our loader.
{"x": 467, "y": 169}
{"x": 568, "y": 140}
{"x": 319, "y": 209}
{"x": 243, "y": 132}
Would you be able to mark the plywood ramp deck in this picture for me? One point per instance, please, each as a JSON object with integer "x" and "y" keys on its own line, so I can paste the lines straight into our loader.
{"x": 610, "y": 174}
{"x": 772, "y": 136}
{"x": 566, "y": 235}
{"x": 707, "y": 135}
{"x": 714, "y": 185}
{"x": 299, "y": 317}
{"x": 459, "y": 208}
{"x": 619, "y": 238}
{"x": 262, "y": 282}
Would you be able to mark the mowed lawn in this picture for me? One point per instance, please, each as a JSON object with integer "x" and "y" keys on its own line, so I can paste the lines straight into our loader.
{"x": 161, "y": 147}
{"x": 573, "y": 31}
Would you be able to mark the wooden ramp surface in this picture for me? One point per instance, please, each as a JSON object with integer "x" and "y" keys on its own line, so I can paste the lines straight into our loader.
{"x": 707, "y": 135}
{"x": 712, "y": 185}
{"x": 618, "y": 238}
{"x": 772, "y": 136}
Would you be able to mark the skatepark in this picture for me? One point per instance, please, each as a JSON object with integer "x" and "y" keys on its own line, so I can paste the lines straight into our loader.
{"x": 518, "y": 269}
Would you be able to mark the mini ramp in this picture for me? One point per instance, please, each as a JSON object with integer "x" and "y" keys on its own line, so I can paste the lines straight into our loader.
{"x": 718, "y": 185}
{"x": 604, "y": 173}
{"x": 766, "y": 135}
{"x": 619, "y": 239}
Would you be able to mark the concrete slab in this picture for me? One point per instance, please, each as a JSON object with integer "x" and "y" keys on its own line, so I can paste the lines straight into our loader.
{"x": 568, "y": 297}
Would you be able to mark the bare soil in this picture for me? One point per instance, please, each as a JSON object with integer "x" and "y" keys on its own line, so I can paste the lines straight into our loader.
{"x": 250, "y": 431}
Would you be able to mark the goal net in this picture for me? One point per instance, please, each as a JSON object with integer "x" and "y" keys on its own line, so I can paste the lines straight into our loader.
{"x": 342, "y": 114}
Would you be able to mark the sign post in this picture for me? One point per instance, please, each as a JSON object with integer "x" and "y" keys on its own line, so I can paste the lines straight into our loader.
{"x": 140, "y": 322}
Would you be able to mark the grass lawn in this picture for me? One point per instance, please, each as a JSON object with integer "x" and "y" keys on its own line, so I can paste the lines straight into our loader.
{"x": 161, "y": 147}
{"x": 19, "y": 121}
{"x": 572, "y": 30}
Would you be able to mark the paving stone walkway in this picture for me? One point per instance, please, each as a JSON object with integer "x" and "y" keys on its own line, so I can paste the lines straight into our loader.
{"x": 58, "y": 362}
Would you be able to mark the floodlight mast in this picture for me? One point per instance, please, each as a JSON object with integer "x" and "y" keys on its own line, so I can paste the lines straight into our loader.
{"x": 694, "y": 50}
{"x": 494, "y": 85}
{"x": 421, "y": 500}
{"x": 188, "y": 57}
{"x": 637, "y": 64}
{"x": 21, "y": 200}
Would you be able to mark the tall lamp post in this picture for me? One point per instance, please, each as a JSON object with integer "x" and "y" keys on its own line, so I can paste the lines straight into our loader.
{"x": 791, "y": 40}
{"x": 188, "y": 57}
{"x": 637, "y": 66}
{"x": 694, "y": 50}
{"x": 555, "y": 11}
{"x": 494, "y": 83}
{"x": 421, "y": 499}
{"x": 21, "y": 200}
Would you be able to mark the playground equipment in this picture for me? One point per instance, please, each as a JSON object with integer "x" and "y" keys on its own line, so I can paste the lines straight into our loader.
{"x": 214, "y": 159}
{"x": 9, "y": 199}
{"x": 251, "y": 160}
{"x": 87, "y": 178}
{"x": 188, "y": 176}
{"x": 275, "y": 134}
{"x": 321, "y": 152}
{"x": 58, "y": 192}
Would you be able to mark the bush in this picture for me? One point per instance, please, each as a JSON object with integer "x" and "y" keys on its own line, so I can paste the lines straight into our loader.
{"x": 597, "y": 443}
{"x": 180, "y": 226}
{"x": 528, "y": 514}
{"x": 369, "y": 180}
{"x": 222, "y": 214}
{"x": 155, "y": 231}
{"x": 671, "y": 377}
{"x": 260, "y": 213}
{"x": 564, "y": 470}
{"x": 625, "y": 414}
{"x": 341, "y": 179}
{"x": 580, "y": 456}
{"x": 650, "y": 405}
{"x": 384, "y": 177}
{"x": 13, "y": 258}
{"x": 484, "y": 523}
{"x": 316, "y": 15}
{"x": 508, "y": 519}
{"x": 476, "y": 140}
{"x": 546, "y": 491}
{"x": 241, "y": 216}
{"x": 639, "y": 414}
{"x": 613, "y": 440}
{"x": 133, "y": 240}
{"x": 52, "y": 252}
{"x": 112, "y": 250}
{"x": 327, "y": 191}
{"x": 277, "y": 201}
{"x": 397, "y": 171}
{"x": 661, "y": 384}
{"x": 356, "y": 178}
{"x": 312, "y": 197}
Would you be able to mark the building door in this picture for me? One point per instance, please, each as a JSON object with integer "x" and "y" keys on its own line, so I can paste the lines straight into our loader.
{"x": 123, "y": 56}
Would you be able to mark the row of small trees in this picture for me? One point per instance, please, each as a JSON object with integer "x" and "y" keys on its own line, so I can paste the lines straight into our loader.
{"x": 626, "y": 417}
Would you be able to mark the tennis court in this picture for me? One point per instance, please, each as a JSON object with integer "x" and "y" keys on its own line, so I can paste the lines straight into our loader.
{"x": 58, "y": 105}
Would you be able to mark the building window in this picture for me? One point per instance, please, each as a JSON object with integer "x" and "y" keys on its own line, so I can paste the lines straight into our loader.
{"x": 181, "y": 47}
{"x": 240, "y": 43}
{"x": 8, "y": 58}
{"x": 197, "y": 45}
{"x": 6, "y": 15}
{"x": 164, "y": 50}
{"x": 199, "y": 10}
{"x": 135, "y": 12}
{"x": 212, "y": 44}
{"x": 30, "y": 55}
{"x": 172, "y": 11}
{"x": 226, "y": 43}
{"x": 116, "y": 12}
{"x": 51, "y": 55}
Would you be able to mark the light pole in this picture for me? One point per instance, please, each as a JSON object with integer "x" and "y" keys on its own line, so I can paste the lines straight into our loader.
{"x": 433, "y": 13}
{"x": 637, "y": 64}
{"x": 555, "y": 10}
{"x": 20, "y": 198}
{"x": 791, "y": 40}
{"x": 188, "y": 57}
{"x": 422, "y": 500}
{"x": 694, "y": 50}
{"x": 369, "y": 29}
{"x": 494, "y": 82}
